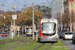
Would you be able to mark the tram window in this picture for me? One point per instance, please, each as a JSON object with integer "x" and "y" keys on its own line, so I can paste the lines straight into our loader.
{"x": 29, "y": 30}
{"x": 48, "y": 27}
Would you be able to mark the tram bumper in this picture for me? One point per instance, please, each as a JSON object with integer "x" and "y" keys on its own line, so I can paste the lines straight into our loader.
{"x": 49, "y": 40}
{"x": 29, "y": 35}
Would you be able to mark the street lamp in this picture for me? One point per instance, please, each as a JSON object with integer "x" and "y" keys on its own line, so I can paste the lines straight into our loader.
{"x": 14, "y": 17}
{"x": 33, "y": 20}
{"x": 70, "y": 18}
{"x": 61, "y": 19}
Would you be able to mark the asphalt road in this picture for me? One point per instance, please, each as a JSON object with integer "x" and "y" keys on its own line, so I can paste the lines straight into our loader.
{"x": 69, "y": 44}
{"x": 1, "y": 38}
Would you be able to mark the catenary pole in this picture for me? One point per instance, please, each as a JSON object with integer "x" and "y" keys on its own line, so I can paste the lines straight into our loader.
{"x": 33, "y": 21}
{"x": 70, "y": 18}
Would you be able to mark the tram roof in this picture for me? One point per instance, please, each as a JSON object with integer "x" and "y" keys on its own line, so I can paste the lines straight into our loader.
{"x": 49, "y": 20}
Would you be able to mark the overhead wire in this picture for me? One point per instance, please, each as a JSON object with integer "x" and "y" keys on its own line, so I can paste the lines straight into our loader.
{"x": 3, "y": 4}
{"x": 27, "y": 2}
{"x": 7, "y": 5}
{"x": 24, "y": 3}
{"x": 17, "y": 6}
{"x": 19, "y": 2}
{"x": 49, "y": 8}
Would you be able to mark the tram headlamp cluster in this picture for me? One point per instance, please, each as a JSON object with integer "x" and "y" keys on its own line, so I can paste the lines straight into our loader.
{"x": 41, "y": 37}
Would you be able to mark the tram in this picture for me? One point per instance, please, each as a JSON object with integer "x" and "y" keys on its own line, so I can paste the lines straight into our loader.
{"x": 48, "y": 30}
{"x": 28, "y": 31}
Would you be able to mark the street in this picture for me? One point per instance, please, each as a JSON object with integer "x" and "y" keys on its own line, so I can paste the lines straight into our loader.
{"x": 1, "y": 38}
{"x": 69, "y": 44}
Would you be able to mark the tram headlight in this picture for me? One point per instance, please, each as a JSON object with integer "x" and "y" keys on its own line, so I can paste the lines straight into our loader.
{"x": 41, "y": 37}
{"x": 56, "y": 36}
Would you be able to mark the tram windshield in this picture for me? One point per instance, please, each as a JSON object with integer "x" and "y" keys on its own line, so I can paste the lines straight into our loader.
{"x": 48, "y": 28}
{"x": 29, "y": 30}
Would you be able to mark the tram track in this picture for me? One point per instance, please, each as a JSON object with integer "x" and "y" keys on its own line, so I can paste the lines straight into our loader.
{"x": 43, "y": 45}
{"x": 50, "y": 46}
{"x": 40, "y": 46}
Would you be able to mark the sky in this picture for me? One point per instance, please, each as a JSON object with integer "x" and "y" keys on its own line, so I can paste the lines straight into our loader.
{"x": 8, "y": 4}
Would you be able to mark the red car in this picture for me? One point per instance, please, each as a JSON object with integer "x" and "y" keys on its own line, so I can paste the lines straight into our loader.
{"x": 4, "y": 34}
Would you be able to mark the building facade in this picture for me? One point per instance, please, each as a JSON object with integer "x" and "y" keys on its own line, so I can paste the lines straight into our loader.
{"x": 72, "y": 14}
{"x": 44, "y": 7}
{"x": 1, "y": 13}
{"x": 58, "y": 6}
{"x": 24, "y": 9}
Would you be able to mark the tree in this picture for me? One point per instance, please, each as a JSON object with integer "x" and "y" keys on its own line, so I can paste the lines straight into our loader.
{"x": 5, "y": 21}
{"x": 25, "y": 18}
{"x": 58, "y": 17}
{"x": 37, "y": 14}
{"x": 22, "y": 19}
{"x": 8, "y": 18}
{"x": 65, "y": 18}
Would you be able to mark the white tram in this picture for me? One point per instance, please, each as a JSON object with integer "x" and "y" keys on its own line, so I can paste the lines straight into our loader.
{"x": 48, "y": 30}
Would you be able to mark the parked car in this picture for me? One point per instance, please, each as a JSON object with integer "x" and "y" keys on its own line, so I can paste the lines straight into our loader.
{"x": 67, "y": 35}
{"x": 73, "y": 39}
{"x": 4, "y": 34}
{"x": 60, "y": 33}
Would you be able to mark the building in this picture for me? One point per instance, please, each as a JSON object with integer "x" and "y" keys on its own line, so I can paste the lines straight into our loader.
{"x": 58, "y": 6}
{"x": 19, "y": 12}
{"x": 44, "y": 7}
{"x": 1, "y": 11}
{"x": 24, "y": 9}
{"x": 65, "y": 3}
{"x": 72, "y": 14}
